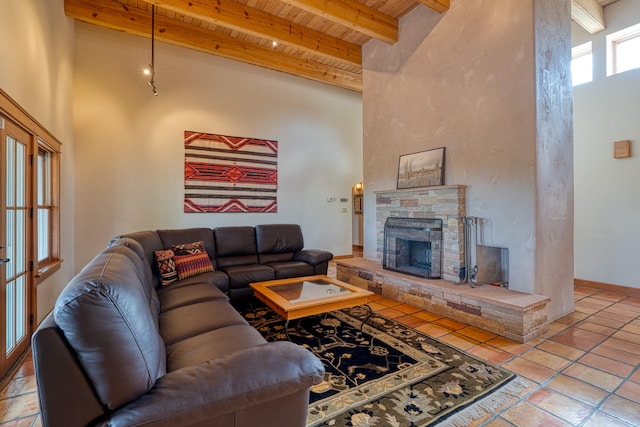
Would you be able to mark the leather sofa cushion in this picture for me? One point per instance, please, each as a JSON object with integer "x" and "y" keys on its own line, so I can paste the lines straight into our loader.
{"x": 194, "y": 319}
{"x": 125, "y": 355}
{"x": 240, "y": 293}
{"x": 217, "y": 278}
{"x": 150, "y": 242}
{"x": 278, "y": 242}
{"x": 279, "y": 238}
{"x": 240, "y": 275}
{"x": 313, "y": 256}
{"x": 286, "y": 270}
{"x": 142, "y": 265}
{"x": 235, "y": 246}
{"x": 179, "y": 296}
{"x": 212, "y": 345}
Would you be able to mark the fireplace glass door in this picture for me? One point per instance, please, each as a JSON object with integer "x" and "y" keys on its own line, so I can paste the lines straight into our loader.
{"x": 413, "y": 246}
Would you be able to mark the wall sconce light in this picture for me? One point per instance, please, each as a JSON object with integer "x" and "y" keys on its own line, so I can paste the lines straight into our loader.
{"x": 151, "y": 71}
{"x": 359, "y": 186}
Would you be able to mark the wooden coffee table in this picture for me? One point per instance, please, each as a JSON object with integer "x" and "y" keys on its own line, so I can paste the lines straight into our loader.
{"x": 306, "y": 296}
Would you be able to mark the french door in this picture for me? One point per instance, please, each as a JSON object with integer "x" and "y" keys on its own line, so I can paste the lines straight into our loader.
{"x": 15, "y": 225}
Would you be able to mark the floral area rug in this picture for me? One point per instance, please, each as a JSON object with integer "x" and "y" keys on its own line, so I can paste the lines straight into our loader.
{"x": 387, "y": 374}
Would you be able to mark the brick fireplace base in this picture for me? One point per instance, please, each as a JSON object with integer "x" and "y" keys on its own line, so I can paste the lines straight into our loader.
{"x": 511, "y": 314}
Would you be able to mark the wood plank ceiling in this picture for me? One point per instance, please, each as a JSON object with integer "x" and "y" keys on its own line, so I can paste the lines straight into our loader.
{"x": 317, "y": 39}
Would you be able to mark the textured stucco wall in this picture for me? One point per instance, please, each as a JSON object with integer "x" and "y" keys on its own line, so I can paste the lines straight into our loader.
{"x": 466, "y": 80}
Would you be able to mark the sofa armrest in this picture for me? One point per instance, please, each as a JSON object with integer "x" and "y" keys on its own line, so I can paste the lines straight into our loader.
{"x": 313, "y": 256}
{"x": 221, "y": 386}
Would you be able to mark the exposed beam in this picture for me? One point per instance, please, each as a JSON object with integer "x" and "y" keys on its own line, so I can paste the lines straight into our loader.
{"x": 248, "y": 20}
{"x": 589, "y": 14}
{"x": 437, "y": 5}
{"x": 117, "y": 16}
{"x": 354, "y": 15}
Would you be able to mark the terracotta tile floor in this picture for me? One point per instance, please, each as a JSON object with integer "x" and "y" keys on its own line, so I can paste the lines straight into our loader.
{"x": 583, "y": 372}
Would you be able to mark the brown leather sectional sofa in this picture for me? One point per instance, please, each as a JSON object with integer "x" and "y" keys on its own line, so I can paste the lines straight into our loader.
{"x": 119, "y": 349}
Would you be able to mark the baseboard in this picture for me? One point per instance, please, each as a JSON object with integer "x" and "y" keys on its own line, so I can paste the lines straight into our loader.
{"x": 608, "y": 287}
{"x": 335, "y": 257}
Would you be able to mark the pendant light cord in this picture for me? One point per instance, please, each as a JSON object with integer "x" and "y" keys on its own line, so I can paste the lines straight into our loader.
{"x": 152, "y": 82}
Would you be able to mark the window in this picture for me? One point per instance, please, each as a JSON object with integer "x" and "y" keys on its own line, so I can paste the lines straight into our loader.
{"x": 46, "y": 204}
{"x": 581, "y": 64}
{"x": 623, "y": 50}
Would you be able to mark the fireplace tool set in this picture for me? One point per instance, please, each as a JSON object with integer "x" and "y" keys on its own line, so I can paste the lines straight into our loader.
{"x": 491, "y": 263}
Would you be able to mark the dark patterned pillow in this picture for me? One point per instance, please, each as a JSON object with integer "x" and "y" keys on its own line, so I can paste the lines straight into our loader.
{"x": 192, "y": 265}
{"x": 189, "y": 248}
{"x": 166, "y": 266}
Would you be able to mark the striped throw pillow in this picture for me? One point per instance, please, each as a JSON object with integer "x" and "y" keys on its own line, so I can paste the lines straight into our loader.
{"x": 192, "y": 265}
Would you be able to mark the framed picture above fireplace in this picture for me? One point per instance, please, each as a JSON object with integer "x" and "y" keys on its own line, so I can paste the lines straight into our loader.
{"x": 422, "y": 169}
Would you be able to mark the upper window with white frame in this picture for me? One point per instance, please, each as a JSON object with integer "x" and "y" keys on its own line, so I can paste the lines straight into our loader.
{"x": 623, "y": 50}
{"x": 581, "y": 64}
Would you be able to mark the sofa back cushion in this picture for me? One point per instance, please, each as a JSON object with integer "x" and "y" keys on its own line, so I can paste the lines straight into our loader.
{"x": 235, "y": 246}
{"x": 172, "y": 238}
{"x": 278, "y": 242}
{"x": 137, "y": 255}
{"x": 104, "y": 314}
{"x": 150, "y": 242}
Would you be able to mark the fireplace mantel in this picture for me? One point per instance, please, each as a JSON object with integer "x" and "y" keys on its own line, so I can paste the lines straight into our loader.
{"x": 423, "y": 189}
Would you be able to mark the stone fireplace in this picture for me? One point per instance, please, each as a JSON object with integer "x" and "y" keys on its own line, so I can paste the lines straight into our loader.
{"x": 443, "y": 204}
{"x": 413, "y": 246}
{"x": 511, "y": 314}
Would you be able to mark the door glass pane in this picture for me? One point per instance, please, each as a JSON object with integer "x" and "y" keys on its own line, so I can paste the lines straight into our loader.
{"x": 20, "y": 175}
{"x": 11, "y": 143}
{"x": 20, "y": 307}
{"x": 43, "y": 234}
{"x": 41, "y": 179}
{"x": 10, "y": 318}
{"x": 9, "y": 247}
{"x": 20, "y": 244}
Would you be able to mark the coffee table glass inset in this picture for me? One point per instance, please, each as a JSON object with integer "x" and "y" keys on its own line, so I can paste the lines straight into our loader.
{"x": 307, "y": 296}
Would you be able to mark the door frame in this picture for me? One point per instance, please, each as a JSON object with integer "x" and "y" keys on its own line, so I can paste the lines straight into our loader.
{"x": 8, "y": 128}
{"x": 11, "y": 111}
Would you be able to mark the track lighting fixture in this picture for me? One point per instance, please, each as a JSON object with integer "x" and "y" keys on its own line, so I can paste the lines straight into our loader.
{"x": 151, "y": 71}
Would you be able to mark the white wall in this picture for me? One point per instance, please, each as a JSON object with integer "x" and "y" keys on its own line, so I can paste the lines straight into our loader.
{"x": 473, "y": 80}
{"x": 130, "y": 152}
{"x": 607, "y": 199}
{"x": 36, "y": 57}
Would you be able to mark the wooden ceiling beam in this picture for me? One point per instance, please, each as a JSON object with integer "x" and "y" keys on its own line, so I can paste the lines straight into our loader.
{"x": 248, "y": 20}
{"x": 353, "y": 15}
{"x": 117, "y": 16}
{"x": 589, "y": 14}
{"x": 437, "y": 5}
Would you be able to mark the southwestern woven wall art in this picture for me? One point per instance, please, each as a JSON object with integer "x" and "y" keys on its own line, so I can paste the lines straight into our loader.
{"x": 229, "y": 174}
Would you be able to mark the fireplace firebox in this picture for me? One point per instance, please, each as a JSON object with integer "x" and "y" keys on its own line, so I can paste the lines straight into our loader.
{"x": 413, "y": 246}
